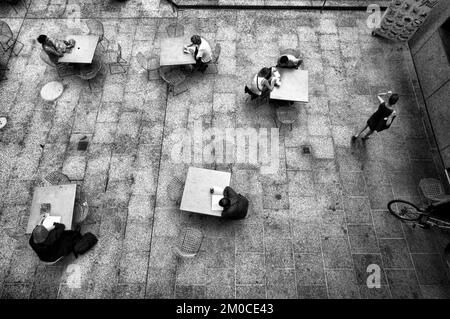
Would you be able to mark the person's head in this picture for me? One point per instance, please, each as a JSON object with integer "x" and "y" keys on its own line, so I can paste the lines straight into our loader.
{"x": 40, "y": 234}
{"x": 42, "y": 38}
{"x": 393, "y": 99}
{"x": 265, "y": 73}
{"x": 224, "y": 202}
{"x": 196, "y": 39}
{"x": 284, "y": 59}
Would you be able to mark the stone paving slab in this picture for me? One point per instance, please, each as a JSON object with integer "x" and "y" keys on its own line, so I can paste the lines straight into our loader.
{"x": 315, "y": 223}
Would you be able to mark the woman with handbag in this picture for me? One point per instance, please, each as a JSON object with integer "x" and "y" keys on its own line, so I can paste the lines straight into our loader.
{"x": 382, "y": 118}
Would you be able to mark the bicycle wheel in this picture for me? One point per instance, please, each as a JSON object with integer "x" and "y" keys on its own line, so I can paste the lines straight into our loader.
{"x": 404, "y": 210}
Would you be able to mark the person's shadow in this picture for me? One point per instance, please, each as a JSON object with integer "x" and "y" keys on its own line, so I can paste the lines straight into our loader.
{"x": 359, "y": 150}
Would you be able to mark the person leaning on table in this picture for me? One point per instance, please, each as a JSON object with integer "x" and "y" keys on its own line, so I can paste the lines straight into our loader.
{"x": 289, "y": 61}
{"x": 202, "y": 53}
{"x": 235, "y": 206}
{"x": 53, "y": 244}
{"x": 54, "y": 48}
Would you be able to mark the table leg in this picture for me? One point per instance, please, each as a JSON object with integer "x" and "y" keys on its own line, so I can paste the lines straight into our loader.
{"x": 323, "y": 5}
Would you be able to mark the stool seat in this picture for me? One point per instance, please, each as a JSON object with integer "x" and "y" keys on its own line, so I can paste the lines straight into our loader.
{"x": 51, "y": 91}
{"x": 3, "y": 122}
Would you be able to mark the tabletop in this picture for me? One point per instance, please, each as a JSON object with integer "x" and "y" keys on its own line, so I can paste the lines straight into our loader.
{"x": 61, "y": 199}
{"x": 172, "y": 52}
{"x": 83, "y": 51}
{"x": 294, "y": 86}
{"x": 196, "y": 194}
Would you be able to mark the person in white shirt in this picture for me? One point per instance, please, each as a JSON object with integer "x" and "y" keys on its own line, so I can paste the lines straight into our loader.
{"x": 202, "y": 53}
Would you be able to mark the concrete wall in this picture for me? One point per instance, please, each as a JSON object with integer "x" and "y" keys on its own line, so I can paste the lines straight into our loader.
{"x": 433, "y": 72}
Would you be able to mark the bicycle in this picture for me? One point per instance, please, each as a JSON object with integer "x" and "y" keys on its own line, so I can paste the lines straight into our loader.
{"x": 437, "y": 215}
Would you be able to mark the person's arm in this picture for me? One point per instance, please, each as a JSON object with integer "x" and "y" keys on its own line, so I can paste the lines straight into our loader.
{"x": 50, "y": 50}
{"x": 56, "y": 233}
{"x": 199, "y": 54}
{"x": 276, "y": 74}
{"x": 445, "y": 200}
{"x": 269, "y": 84}
{"x": 226, "y": 213}
{"x": 390, "y": 118}
{"x": 379, "y": 96}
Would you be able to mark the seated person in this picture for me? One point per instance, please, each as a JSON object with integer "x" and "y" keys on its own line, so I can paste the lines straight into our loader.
{"x": 54, "y": 48}
{"x": 289, "y": 61}
{"x": 440, "y": 209}
{"x": 234, "y": 205}
{"x": 263, "y": 82}
{"x": 53, "y": 244}
{"x": 202, "y": 52}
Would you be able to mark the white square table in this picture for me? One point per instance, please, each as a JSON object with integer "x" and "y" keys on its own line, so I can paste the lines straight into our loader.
{"x": 196, "y": 194}
{"x": 83, "y": 51}
{"x": 294, "y": 86}
{"x": 61, "y": 199}
{"x": 172, "y": 52}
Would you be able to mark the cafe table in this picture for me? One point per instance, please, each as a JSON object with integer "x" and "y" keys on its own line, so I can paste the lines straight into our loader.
{"x": 172, "y": 52}
{"x": 61, "y": 199}
{"x": 83, "y": 51}
{"x": 294, "y": 86}
{"x": 196, "y": 195}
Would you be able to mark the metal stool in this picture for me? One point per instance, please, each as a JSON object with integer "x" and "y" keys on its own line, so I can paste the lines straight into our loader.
{"x": 287, "y": 115}
{"x": 189, "y": 243}
{"x": 175, "y": 190}
{"x": 3, "y": 122}
{"x": 432, "y": 189}
{"x": 55, "y": 178}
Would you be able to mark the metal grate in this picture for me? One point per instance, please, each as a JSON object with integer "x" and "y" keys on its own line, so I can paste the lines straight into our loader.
{"x": 189, "y": 243}
{"x": 431, "y": 188}
{"x": 306, "y": 150}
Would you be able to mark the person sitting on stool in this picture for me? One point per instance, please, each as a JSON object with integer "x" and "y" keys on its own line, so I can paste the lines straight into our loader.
{"x": 234, "y": 205}
{"x": 202, "y": 52}
{"x": 289, "y": 61}
{"x": 54, "y": 244}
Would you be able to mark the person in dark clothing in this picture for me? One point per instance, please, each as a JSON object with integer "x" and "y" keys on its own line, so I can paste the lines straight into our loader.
{"x": 382, "y": 118}
{"x": 440, "y": 209}
{"x": 51, "y": 245}
{"x": 234, "y": 205}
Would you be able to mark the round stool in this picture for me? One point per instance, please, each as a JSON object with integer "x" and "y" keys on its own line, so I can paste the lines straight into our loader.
{"x": 51, "y": 91}
{"x": 3, "y": 122}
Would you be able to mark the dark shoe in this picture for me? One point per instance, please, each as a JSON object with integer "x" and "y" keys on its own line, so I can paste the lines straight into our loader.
{"x": 447, "y": 249}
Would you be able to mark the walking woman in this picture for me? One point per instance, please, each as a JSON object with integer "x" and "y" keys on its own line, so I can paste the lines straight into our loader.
{"x": 382, "y": 118}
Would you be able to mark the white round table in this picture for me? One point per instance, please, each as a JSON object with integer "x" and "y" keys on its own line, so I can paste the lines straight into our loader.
{"x": 51, "y": 91}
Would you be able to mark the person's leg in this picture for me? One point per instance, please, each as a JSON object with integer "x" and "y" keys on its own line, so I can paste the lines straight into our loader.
{"x": 367, "y": 135}
{"x": 365, "y": 127}
{"x": 68, "y": 240}
{"x": 447, "y": 249}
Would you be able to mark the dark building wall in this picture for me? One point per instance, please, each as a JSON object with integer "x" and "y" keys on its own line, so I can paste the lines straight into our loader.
{"x": 432, "y": 60}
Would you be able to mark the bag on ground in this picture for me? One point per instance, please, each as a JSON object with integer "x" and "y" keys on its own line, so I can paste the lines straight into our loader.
{"x": 84, "y": 244}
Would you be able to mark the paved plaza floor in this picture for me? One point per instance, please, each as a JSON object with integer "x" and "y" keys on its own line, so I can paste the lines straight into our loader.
{"x": 314, "y": 224}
